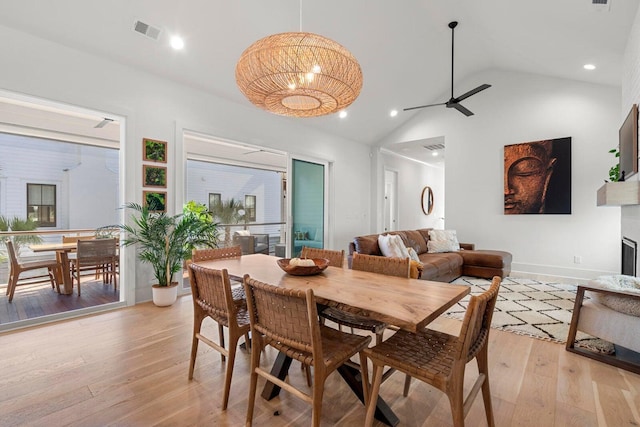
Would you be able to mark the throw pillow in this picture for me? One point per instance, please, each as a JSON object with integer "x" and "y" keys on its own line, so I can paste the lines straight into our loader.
{"x": 443, "y": 241}
{"x": 413, "y": 255}
{"x": 243, "y": 233}
{"x": 392, "y": 246}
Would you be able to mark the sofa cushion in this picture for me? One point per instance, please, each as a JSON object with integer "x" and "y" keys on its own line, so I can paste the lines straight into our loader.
{"x": 367, "y": 245}
{"x": 440, "y": 264}
{"x": 486, "y": 258}
{"x": 415, "y": 240}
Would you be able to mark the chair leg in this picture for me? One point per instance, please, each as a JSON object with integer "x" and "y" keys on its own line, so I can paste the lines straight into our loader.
{"x": 255, "y": 362}
{"x": 221, "y": 336}
{"x": 233, "y": 346}
{"x": 456, "y": 399}
{"x": 197, "y": 325}
{"x": 483, "y": 368}
{"x": 373, "y": 396}
{"x": 364, "y": 373}
{"x": 11, "y": 287}
{"x": 407, "y": 384}
{"x": 316, "y": 412}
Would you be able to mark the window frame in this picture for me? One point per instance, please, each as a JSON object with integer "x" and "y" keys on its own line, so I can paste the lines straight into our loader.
{"x": 51, "y": 208}
{"x": 217, "y": 196}
{"x": 250, "y": 211}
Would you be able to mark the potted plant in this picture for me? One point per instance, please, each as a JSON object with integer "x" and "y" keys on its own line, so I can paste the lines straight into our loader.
{"x": 165, "y": 241}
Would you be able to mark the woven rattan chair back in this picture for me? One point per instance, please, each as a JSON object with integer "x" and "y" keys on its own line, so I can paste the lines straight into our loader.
{"x": 283, "y": 316}
{"x": 336, "y": 258}
{"x": 477, "y": 322}
{"x": 95, "y": 254}
{"x": 382, "y": 265}
{"x": 287, "y": 319}
{"x": 209, "y": 254}
{"x": 211, "y": 291}
{"x": 54, "y": 269}
{"x": 213, "y": 298}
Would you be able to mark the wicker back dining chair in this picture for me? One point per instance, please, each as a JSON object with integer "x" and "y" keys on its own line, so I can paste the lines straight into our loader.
{"x": 98, "y": 254}
{"x": 336, "y": 258}
{"x": 287, "y": 320}
{"x": 439, "y": 359}
{"x": 211, "y": 254}
{"x": 344, "y": 316}
{"x": 208, "y": 254}
{"x": 54, "y": 268}
{"x": 212, "y": 297}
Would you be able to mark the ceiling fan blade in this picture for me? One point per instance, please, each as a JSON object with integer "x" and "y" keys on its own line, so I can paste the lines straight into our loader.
{"x": 462, "y": 109}
{"x": 473, "y": 91}
{"x": 423, "y": 106}
{"x": 103, "y": 123}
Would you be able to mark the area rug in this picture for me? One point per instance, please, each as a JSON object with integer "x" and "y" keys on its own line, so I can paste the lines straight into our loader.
{"x": 533, "y": 308}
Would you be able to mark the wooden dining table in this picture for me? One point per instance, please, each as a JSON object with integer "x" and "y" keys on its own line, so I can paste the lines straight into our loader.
{"x": 62, "y": 255}
{"x": 409, "y": 304}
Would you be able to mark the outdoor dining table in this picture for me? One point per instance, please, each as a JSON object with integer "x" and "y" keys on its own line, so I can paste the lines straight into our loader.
{"x": 62, "y": 255}
{"x": 409, "y": 304}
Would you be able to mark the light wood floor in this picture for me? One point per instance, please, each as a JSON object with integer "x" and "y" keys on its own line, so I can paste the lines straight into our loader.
{"x": 129, "y": 368}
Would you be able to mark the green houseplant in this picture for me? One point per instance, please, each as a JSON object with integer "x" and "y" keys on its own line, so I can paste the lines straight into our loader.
{"x": 166, "y": 241}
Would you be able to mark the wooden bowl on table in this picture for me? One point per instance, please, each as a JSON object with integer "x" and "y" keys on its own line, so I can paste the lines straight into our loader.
{"x": 300, "y": 270}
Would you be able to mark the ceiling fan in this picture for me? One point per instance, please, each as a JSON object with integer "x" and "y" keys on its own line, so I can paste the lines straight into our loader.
{"x": 455, "y": 102}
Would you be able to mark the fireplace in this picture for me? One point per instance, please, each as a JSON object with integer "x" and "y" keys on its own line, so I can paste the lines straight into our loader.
{"x": 629, "y": 248}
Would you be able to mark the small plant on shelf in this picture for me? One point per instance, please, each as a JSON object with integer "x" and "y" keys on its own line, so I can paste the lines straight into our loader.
{"x": 614, "y": 172}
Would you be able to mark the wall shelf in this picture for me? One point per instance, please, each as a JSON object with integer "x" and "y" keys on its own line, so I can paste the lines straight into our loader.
{"x": 619, "y": 193}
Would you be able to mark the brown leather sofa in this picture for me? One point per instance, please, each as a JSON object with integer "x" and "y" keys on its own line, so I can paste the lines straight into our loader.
{"x": 441, "y": 267}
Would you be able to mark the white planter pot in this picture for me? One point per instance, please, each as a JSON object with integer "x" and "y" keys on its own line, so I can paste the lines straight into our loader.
{"x": 164, "y": 296}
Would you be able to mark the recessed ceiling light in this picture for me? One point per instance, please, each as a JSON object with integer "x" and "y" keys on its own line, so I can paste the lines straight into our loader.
{"x": 393, "y": 113}
{"x": 434, "y": 154}
{"x": 177, "y": 43}
{"x": 589, "y": 67}
{"x": 342, "y": 114}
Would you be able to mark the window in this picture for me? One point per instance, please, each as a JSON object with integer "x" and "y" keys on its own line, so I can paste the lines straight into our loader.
{"x": 214, "y": 199}
{"x": 41, "y": 204}
{"x": 250, "y": 207}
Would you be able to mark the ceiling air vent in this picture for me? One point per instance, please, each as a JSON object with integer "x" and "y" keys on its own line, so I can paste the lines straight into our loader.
{"x": 433, "y": 147}
{"x": 146, "y": 30}
{"x": 601, "y": 5}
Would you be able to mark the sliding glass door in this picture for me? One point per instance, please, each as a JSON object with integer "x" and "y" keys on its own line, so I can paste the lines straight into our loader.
{"x": 308, "y": 205}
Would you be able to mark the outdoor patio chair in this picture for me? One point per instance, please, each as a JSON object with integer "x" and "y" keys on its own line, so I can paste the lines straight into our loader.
{"x": 54, "y": 269}
{"x": 439, "y": 359}
{"x": 96, "y": 254}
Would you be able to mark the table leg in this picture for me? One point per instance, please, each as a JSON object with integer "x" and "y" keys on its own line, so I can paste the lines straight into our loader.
{"x": 279, "y": 370}
{"x": 63, "y": 259}
{"x": 353, "y": 378}
{"x": 350, "y": 375}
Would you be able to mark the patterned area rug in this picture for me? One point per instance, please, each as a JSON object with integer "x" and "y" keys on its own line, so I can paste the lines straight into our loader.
{"x": 532, "y": 308}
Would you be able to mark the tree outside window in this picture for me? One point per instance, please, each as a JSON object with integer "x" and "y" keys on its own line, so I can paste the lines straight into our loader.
{"x": 41, "y": 204}
{"x": 250, "y": 207}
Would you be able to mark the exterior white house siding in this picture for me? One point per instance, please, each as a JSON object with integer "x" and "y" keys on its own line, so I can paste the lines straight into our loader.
{"x": 86, "y": 180}
{"x": 235, "y": 182}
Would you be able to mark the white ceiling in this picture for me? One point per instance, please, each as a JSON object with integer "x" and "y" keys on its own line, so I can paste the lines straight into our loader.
{"x": 403, "y": 46}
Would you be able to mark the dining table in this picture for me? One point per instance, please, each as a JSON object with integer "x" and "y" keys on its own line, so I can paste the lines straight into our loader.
{"x": 62, "y": 255}
{"x": 409, "y": 304}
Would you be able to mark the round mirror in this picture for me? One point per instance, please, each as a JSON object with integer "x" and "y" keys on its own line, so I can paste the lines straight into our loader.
{"x": 426, "y": 200}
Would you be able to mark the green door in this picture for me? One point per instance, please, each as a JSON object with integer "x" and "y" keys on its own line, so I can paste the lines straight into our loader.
{"x": 307, "y": 205}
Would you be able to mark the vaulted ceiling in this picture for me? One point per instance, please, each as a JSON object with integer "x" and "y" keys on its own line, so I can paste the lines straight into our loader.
{"x": 403, "y": 46}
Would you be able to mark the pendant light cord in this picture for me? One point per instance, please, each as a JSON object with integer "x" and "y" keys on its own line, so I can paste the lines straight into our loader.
{"x": 300, "y": 15}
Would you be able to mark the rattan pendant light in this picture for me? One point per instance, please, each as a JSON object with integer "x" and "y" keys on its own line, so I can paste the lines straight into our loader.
{"x": 299, "y": 74}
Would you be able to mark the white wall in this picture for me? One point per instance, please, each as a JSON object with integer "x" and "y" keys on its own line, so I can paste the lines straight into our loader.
{"x": 630, "y": 221}
{"x": 154, "y": 108}
{"x": 518, "y": 108}
{"x": 412, "y": 178}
